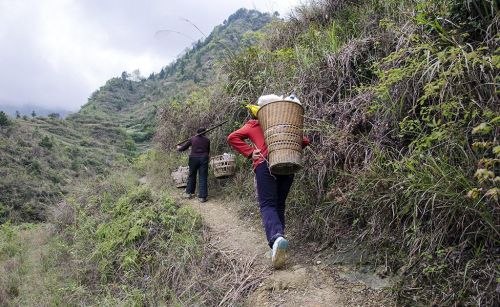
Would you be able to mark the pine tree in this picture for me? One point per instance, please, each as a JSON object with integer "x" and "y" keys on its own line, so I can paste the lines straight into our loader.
{"x": 33, "y": 114}
{"x": 54, "y": 115}
{"x": 46, "y": 142}
{"x": 4, "y": 119}
{"x": 18, "y": 114}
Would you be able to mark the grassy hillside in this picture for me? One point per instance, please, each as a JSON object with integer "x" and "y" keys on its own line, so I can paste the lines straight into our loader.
{"x": 43, "y": 158}
{"x": 402, "y": 110}
{"x": 122, "y": 102}
{"x": 116, "y": 242}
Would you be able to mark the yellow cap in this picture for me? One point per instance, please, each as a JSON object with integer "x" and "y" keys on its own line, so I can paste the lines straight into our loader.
{"x": 253, "y": 109}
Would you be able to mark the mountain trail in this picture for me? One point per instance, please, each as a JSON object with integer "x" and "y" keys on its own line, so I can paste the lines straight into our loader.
{"x": 304, "y": 281}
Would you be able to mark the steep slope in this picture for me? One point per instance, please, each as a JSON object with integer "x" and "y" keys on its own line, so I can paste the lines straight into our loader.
{"x": 42, "y": 159}
{"x": 402, "y": 109}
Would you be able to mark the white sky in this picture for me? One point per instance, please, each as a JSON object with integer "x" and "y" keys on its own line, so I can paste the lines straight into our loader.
{"x": 55, "y": 53}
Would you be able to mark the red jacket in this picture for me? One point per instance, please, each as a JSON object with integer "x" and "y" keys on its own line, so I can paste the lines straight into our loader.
{"x": 251, "y": 130}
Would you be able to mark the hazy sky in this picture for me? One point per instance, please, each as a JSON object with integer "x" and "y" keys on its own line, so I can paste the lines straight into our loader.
{"x": 55, "y": 53}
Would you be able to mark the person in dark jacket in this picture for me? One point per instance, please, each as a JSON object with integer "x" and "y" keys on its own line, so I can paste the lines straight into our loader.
{"x": 272, "y": 190}
{"x": 198, "y": 163}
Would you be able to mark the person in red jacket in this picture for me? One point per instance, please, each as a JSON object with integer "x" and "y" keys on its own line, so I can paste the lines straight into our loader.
{"x": 272, "y": 190}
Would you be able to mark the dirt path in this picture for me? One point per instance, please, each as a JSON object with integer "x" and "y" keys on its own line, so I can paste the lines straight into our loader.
{"x": 301, "y": 283}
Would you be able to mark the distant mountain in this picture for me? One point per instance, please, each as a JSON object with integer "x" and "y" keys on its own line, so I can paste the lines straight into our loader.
{"x": 28, "y": 109}
{"x": 236, "y": 32}
{"x": 134, "y": 103}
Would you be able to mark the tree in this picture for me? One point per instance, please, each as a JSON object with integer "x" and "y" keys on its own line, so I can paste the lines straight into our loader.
{"x": 136, "y": 75}
{"x": 46, "y": 142}
{"x": 4, "y": 119}
{"x": 18, "y": 114}
{"x": 125, "y": 75}
{"x": 54, "y": 115}
{"x": 130, "y": 145}
{"x": 162, "y": 74}
{"x": 33, "y": 114}
{"x": 4, "y": 213}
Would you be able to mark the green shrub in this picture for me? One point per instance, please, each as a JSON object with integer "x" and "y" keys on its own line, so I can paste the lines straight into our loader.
{"x": 46, "y": 142}
{"x": 130, "y": 145}
{"x": 4, "y": 119}
{"x": 4, "y": 213}
{"x": 128, "y": 235}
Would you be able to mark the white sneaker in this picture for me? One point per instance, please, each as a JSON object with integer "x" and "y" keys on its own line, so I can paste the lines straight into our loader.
{"x": 280, "y": 252}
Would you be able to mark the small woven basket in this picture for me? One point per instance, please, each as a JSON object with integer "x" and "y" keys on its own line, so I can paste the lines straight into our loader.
{"x": 180, "y": 176}
{"x": 282, "y": 123}
{"x": 224, "y": 166}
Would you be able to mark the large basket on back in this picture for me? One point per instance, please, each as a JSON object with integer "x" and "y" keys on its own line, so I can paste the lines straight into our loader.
{"x": 180, "y": 176}
{"x": 224, "y": 166}
{"x": 282, "y": 123}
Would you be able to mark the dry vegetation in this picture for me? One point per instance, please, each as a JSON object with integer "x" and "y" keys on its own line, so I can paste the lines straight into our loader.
{"x": 402, "y": 108}
{"x": 133, "y": 246}
{"x": 118, "y": 243}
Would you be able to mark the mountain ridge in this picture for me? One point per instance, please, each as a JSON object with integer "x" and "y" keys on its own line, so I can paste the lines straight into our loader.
{"x": 51, "y": 153}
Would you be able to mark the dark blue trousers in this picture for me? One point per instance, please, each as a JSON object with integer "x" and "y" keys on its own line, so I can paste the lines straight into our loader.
{"x": 272, "y": 192}
{"x": 198, "y": 165}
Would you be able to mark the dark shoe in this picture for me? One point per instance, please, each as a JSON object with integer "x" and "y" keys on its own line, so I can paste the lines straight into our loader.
{"x": 188, "y": 196}
{"x": 202, "y": 199}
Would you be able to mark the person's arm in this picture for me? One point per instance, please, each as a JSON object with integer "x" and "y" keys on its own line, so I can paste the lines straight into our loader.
{"x": 237, "y": 141}
{"x": 185, "y": 146}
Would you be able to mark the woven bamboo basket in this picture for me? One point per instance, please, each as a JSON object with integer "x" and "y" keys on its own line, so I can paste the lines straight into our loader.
{"x": 180, "y": 176}
{"x": 224, "y": 166}
{"x": 282, "y": 123}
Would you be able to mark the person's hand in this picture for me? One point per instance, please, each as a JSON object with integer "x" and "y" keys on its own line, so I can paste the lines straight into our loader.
{"x": 256, "y": 154}
{"x": 178, "y": 147}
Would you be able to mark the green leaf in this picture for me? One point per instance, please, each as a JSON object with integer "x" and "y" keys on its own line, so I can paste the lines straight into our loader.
{"x": 482, "y": 129}
{"x": 495, "y": 121}
{"x": 496, "y": 150}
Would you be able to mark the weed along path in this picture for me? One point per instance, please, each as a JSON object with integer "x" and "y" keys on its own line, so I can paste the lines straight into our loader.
{"x": 301, "y": 283}
{"x": 32, "y": 274}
